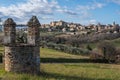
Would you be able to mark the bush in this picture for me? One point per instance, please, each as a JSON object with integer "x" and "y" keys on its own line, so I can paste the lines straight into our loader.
{"x": 108, "y": 51}
{"x": 117, "y": 60}
{"x": 95, "y": 55}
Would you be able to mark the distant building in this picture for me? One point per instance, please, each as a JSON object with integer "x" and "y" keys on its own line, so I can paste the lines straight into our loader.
{"x": 58, "y": 23}
{"x": 70, "y": 26}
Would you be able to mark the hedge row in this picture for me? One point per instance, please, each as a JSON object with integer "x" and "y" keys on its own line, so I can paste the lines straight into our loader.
{"x": 65, "y": 48}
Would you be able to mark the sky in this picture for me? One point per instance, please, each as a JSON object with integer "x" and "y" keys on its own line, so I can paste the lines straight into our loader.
{"x": 77, "y": 11}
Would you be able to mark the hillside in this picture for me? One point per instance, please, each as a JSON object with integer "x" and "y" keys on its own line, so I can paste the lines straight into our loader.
{"x": 52, "y": 70}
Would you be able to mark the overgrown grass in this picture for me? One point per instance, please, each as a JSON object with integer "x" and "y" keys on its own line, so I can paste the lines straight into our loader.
{"x": 66, "y": 71}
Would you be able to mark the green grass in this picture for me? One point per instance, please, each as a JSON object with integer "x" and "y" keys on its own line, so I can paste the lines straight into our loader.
{"x": 85, "y": 71}
{"x": 66, "y": 71}
{"x": 49, "y": 53}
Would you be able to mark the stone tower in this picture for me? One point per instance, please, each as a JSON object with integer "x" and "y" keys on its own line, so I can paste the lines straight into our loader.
{"x": 9, "y": 31}
{"x": 33, "y": 31}
{"x": 22, "y": 57}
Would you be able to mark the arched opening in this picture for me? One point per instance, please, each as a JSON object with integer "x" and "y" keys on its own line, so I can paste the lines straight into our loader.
{"x": 21, "y": 33}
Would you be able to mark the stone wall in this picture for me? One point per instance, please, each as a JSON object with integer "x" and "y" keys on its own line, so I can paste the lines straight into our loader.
{"x": 22, "y": 57}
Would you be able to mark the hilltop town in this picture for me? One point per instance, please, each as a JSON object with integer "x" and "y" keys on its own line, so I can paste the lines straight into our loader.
{"x": 76, "y": 28}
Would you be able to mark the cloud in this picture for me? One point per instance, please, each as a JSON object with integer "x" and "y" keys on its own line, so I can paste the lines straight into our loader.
{"x": 69, "y": 12}
{"x": 31, "y": 7}
{"x": 84, "y": 9}
{"x": 114, "y": 1}
{"x": 45, "y": 18}
{"x": 92, "y": 6}
{"x": 46, "y": 10}
{"x": 92, "y": 21}
{"x": 39, "y": 8}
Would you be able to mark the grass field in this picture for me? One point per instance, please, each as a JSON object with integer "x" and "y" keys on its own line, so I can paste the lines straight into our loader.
{"x": 62, "y": 66}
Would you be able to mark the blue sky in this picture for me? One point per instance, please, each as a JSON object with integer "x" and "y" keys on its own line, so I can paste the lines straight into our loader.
{"x": 77, "y": 11}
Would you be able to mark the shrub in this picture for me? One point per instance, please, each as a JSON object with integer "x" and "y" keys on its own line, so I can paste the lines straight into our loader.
{"x": 117, "y": 60}
{"x": 94, "y": 55}
{"x": 108, "y": 50}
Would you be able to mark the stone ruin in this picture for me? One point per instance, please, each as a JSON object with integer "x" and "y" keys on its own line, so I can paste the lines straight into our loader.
{"x": 22, "y": 57}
